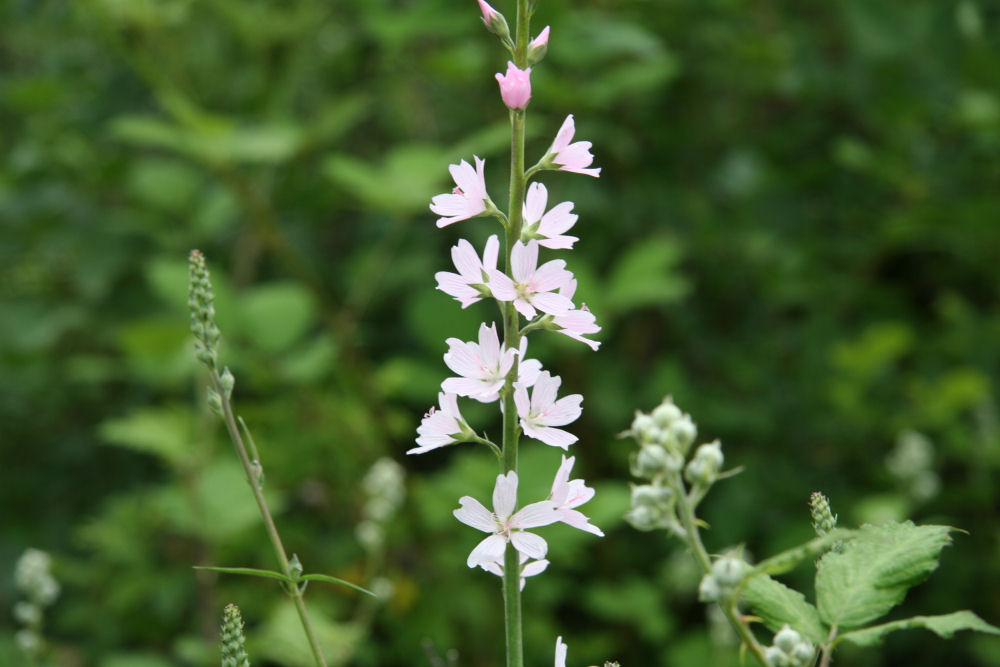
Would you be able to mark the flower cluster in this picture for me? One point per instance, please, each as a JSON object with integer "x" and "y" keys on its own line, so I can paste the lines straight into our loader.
{"x": 525, "y": 284}
{"x": 790, "y": 649}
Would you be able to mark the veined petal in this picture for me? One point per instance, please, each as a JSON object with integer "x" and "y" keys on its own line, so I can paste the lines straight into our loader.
{"x": 489, "y": 550}
{"x": 544, "y": 392}
{"x": 531, "y": 545}
{"x": 534, "y": 567}
{"x": 523, "y": 260}
{"x": 505, "y": 495}
{"x": 558, "y": 220}
{"x": 525, "y": 308}
{"x": 551, "y": 303}
{"x": 489, "y": 344}
{"x": 521, "y": 400}
{"x": 564, "y": 135}
{"x": 564, "y": 411}
{"x": 542, "y": 513}
{"x": 534, "y": 203}
{"x": 576, "y": 519}
{"x": 472, "y": 513}
{"x": 490, "y": 253}
{"x": 551, "y": 276}
{"x": 560, "y": 647}
{"x": 549, "y": 435}
{"x": 560, "y": 484}
{"x": 466, "y": 261}
{"x": 502, "y": 286}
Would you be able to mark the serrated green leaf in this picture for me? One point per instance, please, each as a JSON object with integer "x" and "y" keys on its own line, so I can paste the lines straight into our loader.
{"x": 944, "y": 626}
{"x": 778, "y": 604}
{"x": 789, "y": 559}
{"x": 873, "y": 572}
{"x": 248, "y": 571}
{"x": 334, "y": 580}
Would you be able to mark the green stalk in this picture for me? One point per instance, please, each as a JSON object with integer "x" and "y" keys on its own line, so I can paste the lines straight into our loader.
{"x": 685, "y": 511}
{"x": 511, "y": 337}
{"x": 265, "y": 513}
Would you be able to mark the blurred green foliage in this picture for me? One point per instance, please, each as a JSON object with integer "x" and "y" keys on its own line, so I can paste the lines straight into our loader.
{"x": 796, "y": 233}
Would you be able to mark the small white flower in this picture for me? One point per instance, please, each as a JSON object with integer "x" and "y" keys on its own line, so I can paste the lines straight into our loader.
{"x": 504, "y": 525}
{"x": 547, "y": 228}
{"x": 481, "y": 367}
{"x": 531, "y": 286}
{"x": 560, "y": 653}
{"x": 568, "y": 494}
{"x": 471, "y": 282}
{"x": 441, "y": 427}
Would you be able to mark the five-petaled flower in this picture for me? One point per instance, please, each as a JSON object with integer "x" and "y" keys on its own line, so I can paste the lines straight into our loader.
{"x": 578, "y": 322}
{"x": 575, "y": 157}
{"x": 441, "y": 427}
{"x": 547, "y": 228}
{"x": 469, "y": 198}
{"x": 531, "y": 286}
{"x": 482, "y": 367}
{"x": 471, "y": 283}
{"x": 543, "y": 412}
{"x": 505, "y": 525}
{"x": 528, "y": 568}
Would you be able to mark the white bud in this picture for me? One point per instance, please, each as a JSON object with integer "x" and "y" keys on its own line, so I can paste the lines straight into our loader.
{"x": 775, "y": 657}
{"x": 652, "y": 460}
{"x": 802, "y": 654}
{"x": 708, "y": 589}
{"x": 666, "y": 413}
{"x": 711, "y": 453}
{"x": 729, "y": 571}
{"x": 786, "y": 639}
{"x": 642, "y": 425}
{"x": 684, "y": 432}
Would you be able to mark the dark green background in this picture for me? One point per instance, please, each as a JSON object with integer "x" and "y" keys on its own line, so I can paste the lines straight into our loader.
{"x": 796, "y": 233}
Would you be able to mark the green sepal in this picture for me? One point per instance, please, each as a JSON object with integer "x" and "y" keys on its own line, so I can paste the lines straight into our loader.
{"x": 777, "y": 604}
{"x": 944, "y": 626}
{"x": 334, "y": 580}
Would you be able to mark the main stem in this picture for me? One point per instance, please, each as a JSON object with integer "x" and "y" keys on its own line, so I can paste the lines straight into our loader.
{"x": 265, "y": 513}
{"x": 686, "y": 513}
{"x": 511, "y": 337}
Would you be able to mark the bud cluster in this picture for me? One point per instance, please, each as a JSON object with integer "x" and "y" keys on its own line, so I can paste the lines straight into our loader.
{"x": 384, "y": 494}
{"x": 722, "y": 582}
{"x": 823, "y": 518}
{"x": 233, "y": 640}
{"x": 201, "y": 303}
{"x": 790, "y": 649}
{"x": 32, "y": 576}
{"x": 665, "y": 437}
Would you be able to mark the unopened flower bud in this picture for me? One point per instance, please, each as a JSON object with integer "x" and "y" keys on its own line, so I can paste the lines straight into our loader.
{"x": 651, "y": 461}
{"x": 234, "y": 652}
{"x": 538, "y": 46}
{"x": 823, "y": 518}
{"x": 776, "y": 657}
{"x": 201, "y": 304}
{"x": 228, "y": 382}
{"x": 28, "y": 613}
{"x": 666, "y": 413}
{"x": 802, "y": 654}
{"x": 215, "y": 403}
{"x": 684, "y": 432}
{"x": 652, "y": 496}
{"x": 642, "y": 425}
{"x": 708, "y": 589}
{"x": 515, "y": 86}
{"x": 728, "y": 571}
{"x": 703, "y": 469}
{"x": 787, "y": 638}
{"x": 495, "y": 22}
{"x": 294, "y": 567}
{"x": 644, "y": 517}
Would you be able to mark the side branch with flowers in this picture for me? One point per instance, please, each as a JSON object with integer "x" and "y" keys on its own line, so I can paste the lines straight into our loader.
{"x": 494, "y": 369}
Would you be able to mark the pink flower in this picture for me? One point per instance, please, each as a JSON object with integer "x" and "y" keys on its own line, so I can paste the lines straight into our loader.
{"x": 482, "y": 368}
{"x": 441, "y": 427}
{"x": 470, "y": 284}
{"x": 527, "y": 369}
{"x": 547, "y": 227}
{"x": 578, "y": 322}
{"x": 572, "y": 157}
{"x": 568, "y": 494}
{"x": 503, "y": 524}
{"x": 469, "y": 197}
{"x": 532, "y": 286}
{"x": 515, "y": 86}
{"x": 488, "y": 12}
{"x": 528, "y": 569}
{"x": 539, "y": 415}
{"x": 541, "y": 40}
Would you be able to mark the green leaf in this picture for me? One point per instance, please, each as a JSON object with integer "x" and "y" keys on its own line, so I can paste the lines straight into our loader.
{"x": 249, "y": 571}
{"x": 334, "y": 580}
{"x": 944, "y": 626}
{"x": 646, "y": 275}
{"x": 276, "y": 315}
{"x": 873, "y": 572}
{"x": 162, "y": 432}
{"x": 778, "y": 604}
{"x": 789, "y": 559}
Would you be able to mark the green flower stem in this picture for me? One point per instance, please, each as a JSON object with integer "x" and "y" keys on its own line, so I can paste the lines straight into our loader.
{"x": 265, "y": 513}
{"x": 685, "y": 512}
{"x": 511, "y": 337}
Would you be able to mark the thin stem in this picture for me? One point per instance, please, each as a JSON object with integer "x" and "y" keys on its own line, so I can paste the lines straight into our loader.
{"x": 265, "y": 513}
{"x": 827, "y": 648}
{"x": 511, "y": 337}
{"x": 686, "y": 514}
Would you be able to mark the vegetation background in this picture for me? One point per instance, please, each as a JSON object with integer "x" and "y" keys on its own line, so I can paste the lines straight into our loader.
{"x": 795, "y": 234}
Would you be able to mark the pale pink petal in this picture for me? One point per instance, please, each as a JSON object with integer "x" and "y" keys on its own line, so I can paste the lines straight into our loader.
{"x": 490, "y": 256}
{"x": 534, "y": 567}
{"x": 473, "y": 513}
{"x": 550, "y": 436}
{"x": 564, "y": 136}
{"x": 576, "y": 519}
{"x": 564, "y": 411}
{"x": 466, "y": 260}
{"x": 534, "y": 203}
{"x": 505, "y": 495}
{"x": 521, "y": 400}
{"x": 560, "y": 484}
{"x": 560, "y": 651}
{"x": 578, "y": 493}
{"x": 454, "y": 285}
{"x": 529, "y": 544}
{"x": 568, "y": 290}
{"x": 551, "y": 303}
{"x": 472, "y": 388}
{"x": 489, "y": 344}
{"x": 487, "y": 551}
{"x": 542, "y": 513}
{"x": 527, "y": 372}
{"x": 523, "y": 260}
{"x": 502, "y": 287}
{"x": 525, "y": 308}
{"x": 545, "y": 391}
{"x": 551, "y": 276}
